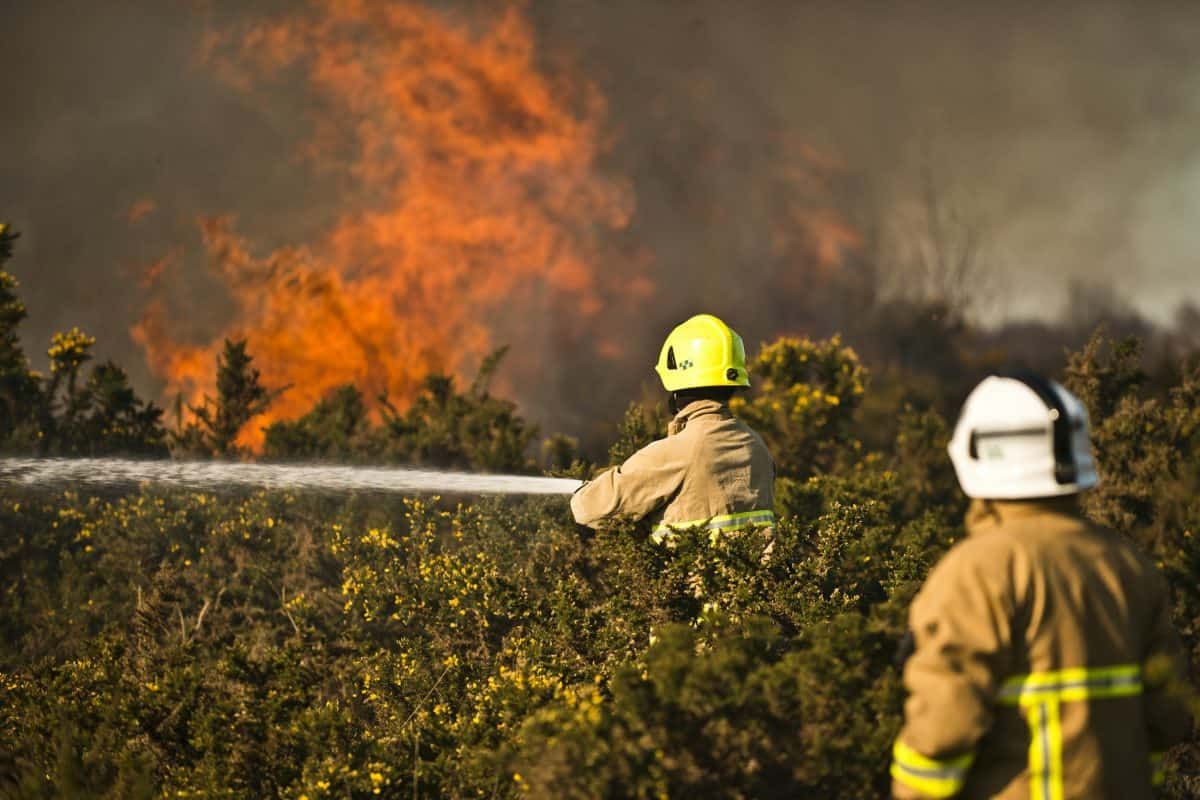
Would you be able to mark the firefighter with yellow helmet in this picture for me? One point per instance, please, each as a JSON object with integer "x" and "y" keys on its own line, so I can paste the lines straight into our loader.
{"x": 1043, "y": 653}
{"x": 711, "y": 470}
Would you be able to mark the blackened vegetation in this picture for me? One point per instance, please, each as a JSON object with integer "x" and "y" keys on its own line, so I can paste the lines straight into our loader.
{"x": 280, "y": 645}
{"x": 240, "y": 397}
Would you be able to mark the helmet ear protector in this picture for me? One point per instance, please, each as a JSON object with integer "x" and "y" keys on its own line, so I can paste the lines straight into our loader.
{"x": 1066, "y": 471}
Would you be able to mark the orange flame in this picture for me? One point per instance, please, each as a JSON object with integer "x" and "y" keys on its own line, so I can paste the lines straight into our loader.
{"x": 828, "y": 237}
{"x": 814, "y": 230}
{"x": 140, "y": 209}
{"x": 476, "y": 201}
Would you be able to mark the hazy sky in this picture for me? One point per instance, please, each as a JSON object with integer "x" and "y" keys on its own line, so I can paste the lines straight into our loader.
{"x": 1067, "y": 133}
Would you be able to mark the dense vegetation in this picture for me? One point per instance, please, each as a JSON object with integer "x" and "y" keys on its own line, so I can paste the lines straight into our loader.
{"x": 266, "y": 644}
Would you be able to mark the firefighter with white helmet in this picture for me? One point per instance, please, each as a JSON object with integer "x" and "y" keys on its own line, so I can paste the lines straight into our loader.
{"x": 1042, "y": 649}
{"x": 711, "y": 470}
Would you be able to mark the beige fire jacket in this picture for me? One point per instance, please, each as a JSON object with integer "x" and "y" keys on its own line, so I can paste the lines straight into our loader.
{"x": 711, "y": 470}
{"x": 1044, "y": 645}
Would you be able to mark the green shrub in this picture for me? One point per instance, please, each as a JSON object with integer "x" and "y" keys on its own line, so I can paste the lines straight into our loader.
{"x": 804, "y": 402}
{"x": 173, "y": 644}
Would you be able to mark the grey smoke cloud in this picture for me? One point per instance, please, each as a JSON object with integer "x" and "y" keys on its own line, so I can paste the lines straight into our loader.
{"x": 1067, "y": 130}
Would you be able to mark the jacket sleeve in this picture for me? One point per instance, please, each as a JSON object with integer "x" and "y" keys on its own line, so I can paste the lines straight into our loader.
{"x": 644, "y": 483}
{"x": 1165, "y": 671}
{"x": 961, "y": 622}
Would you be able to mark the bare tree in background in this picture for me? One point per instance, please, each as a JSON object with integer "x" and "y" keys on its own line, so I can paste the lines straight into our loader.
{"x": 940, "y": 254}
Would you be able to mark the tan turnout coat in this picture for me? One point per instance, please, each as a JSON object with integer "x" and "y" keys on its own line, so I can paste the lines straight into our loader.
{"x": 1043, "y": 644}
{"x": 711, "y": 470}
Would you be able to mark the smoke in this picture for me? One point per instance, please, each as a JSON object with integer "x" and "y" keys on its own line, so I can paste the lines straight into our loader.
{"x": 1062, "y": 130}
{"x": 771, "y": 150}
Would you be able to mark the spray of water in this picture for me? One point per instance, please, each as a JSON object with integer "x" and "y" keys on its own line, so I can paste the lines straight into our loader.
{"x": 66, "y": 473}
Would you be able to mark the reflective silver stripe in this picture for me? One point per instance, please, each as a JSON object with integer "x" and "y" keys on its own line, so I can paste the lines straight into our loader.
{"x": 723, "y": 522}
{"x": 945, "y": 773}
{"x": 1043, "y": 744}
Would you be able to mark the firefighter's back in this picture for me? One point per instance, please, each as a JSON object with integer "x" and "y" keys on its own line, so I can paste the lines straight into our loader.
{"x": 1070, "y": 718}
{"x": 730, "y": 474}
{"x": 1042, "y": 645}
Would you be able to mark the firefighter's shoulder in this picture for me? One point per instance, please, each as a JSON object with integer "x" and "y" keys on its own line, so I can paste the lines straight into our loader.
{"x": 984, "y": 563}
{"x": 976, "y": 549}
{"x": 660, "y": 451}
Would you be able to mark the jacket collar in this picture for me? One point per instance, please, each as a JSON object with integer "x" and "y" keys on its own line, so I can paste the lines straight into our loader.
{"x": 984, "y": 515}
{"x": 694, "y": 410}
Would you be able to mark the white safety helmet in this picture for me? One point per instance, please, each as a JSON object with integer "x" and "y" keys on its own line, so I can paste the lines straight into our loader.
{"x": 1022, "y": 436}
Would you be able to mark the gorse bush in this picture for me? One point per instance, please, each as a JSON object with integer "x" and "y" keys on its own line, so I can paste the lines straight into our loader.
{"x": 806, "y": 398}
{"x": 230, "y": 645}
{"x": 267, "y": 645}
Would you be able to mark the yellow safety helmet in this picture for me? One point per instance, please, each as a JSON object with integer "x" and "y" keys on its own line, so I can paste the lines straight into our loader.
{"x": 703, "y": 351}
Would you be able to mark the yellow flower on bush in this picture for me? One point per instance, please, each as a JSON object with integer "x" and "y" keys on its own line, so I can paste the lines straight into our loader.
{"x": 803, "y": 402}
{"x": 69, "y": 350}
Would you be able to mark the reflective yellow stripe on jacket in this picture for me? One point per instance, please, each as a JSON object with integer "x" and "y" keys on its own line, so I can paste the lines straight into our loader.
{"x": 1068, "y": 685}
{"x": 721, "y": 523}
{"x": 929, "y": 776}
{"x": 1040, "y": 695}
